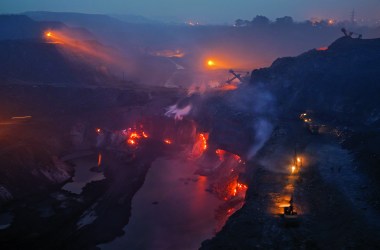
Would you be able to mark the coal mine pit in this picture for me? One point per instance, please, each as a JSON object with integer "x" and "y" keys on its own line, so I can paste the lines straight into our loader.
{"x": 155, "y": 133}
{"x": 122, "y": 174}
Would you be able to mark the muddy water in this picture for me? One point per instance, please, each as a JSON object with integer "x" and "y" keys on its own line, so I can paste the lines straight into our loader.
{"x": 171, "y": 211}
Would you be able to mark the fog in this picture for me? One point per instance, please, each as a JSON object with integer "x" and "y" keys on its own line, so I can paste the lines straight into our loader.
{"x": 157, "y": 53}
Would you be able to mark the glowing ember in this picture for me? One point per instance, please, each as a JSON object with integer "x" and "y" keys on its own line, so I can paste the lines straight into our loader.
{"x": 322, "y": 48}
{"x": 220, "y": 153}
{"x": 167, "y": 141}
{"x": 133, "y": 136}
{"x": 131, "y": 142}
{"x": 48, "y": 34}
{"x": 98, "y": 130}
{"x": 204, "y": 140}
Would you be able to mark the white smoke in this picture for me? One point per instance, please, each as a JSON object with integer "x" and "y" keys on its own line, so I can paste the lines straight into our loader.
{"x": 263, "y": 130}
{"x": 260, "y": 103}
{"x": 178, "y": 113}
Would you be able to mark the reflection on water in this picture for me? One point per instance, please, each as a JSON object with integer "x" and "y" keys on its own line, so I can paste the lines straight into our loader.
{"x": 83, "y": 174}
{"x": 172, "y": 210}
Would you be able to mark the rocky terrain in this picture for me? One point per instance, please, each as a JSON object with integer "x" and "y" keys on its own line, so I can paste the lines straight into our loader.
{"x": 65, "y": 102}
{"x": 336, "y": 192}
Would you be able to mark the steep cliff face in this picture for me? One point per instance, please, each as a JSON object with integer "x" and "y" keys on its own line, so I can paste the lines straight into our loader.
{"x": 340, "y": 83}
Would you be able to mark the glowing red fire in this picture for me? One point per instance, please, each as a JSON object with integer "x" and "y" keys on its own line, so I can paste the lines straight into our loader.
{"x": 134, "y": 136}
{"x": 200, "y": 145}
{"x": 236, "y": 188}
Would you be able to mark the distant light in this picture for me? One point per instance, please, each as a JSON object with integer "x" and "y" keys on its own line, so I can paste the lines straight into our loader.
{"x": 331, "y": 22}
{"x": 210, "y": 63}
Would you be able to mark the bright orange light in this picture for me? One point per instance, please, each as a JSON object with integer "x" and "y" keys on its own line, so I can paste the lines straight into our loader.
{"x": 98, "y": 130}
{"x": 293, "y": 169}
{"x": 200, "y": 145}
{"x": 134, "y": 135}
{"x": 204, "y": 138}
{"x": 210, "y": 63}
{"x": 48, "y": 34}
{"x": 167, "y": 141}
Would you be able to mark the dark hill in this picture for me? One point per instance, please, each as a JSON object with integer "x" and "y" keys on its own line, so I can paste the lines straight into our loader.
{"x": 341, "y": 84}
{"x": 22, "y": 27}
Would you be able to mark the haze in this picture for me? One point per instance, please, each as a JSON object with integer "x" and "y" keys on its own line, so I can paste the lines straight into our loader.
{"x": 210, "y": 11}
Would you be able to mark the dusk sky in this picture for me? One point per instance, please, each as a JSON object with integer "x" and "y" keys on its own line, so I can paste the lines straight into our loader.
{"x": 206, "y": 11}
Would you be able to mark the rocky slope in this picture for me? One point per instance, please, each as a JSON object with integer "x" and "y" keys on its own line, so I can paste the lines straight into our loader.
{"x": 339, "y": 87}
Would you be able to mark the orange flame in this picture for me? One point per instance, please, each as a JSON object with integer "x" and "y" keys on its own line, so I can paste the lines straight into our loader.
{"x": 131, "y": 142}
{"x": 99, "y": 159}
{"x": 204, "y": 138}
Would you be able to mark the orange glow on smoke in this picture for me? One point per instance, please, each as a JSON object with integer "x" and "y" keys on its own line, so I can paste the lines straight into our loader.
{"x": 66, "y": 41}
{"x": 228, "y": 87}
